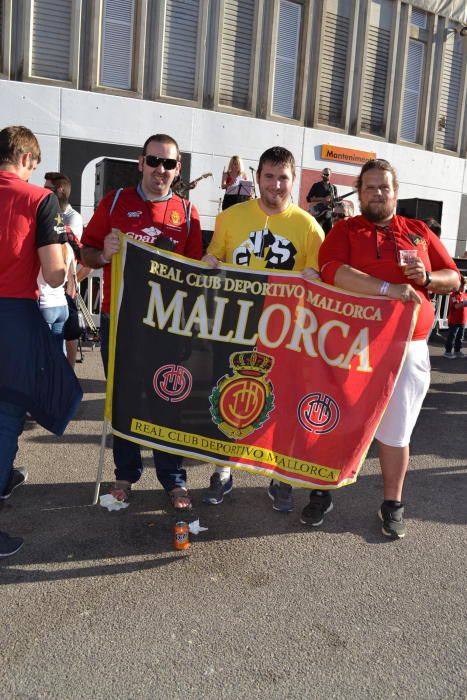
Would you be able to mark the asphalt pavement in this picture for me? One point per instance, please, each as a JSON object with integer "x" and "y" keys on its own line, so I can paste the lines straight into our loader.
{"x": 99, "y": 605}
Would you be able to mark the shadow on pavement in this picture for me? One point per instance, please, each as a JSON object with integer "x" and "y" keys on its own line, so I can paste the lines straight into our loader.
{"x": 60, "y": 526}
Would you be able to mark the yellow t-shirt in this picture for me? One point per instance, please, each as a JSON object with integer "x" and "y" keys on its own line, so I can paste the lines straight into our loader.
{"x": 244, "y": 235}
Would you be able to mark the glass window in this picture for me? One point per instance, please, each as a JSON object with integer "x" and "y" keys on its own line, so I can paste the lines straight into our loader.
{"x": 333, "y": 74}
{"x": 374, "y": 96}
{"x": 180, "y": 49}
{"x": 412, "y": 90}
{"x": 51, "y": 39}
{"x": 237, "y": 51}
{"x": 415, "y": 68}
{"x": 117, "y": 47}
{"x": 287, "y": 58}
{"x": 2, "y": 32}
{"x": 453, "y": 67}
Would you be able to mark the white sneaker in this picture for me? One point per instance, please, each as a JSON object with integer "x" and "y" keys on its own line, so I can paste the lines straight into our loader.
{"x": 460, "y": 354}
{"x": 449, "y": 355}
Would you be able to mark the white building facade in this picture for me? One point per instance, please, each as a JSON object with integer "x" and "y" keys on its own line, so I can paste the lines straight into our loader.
{"x": 94, "y": 78}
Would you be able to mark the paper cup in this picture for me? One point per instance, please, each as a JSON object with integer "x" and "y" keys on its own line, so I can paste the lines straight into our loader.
{"x": 408, "y": 257}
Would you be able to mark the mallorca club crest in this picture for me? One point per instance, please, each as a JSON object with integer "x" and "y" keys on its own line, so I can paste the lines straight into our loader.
{"x": 318, "y": 413}
{"x": 242, "y": 402}
{"x": 175, "y": 218}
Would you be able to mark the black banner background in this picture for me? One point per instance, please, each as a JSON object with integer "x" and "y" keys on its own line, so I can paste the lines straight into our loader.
{"x": 151, "y": 349}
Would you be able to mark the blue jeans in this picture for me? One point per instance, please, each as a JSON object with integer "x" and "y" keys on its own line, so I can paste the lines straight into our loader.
{"x": 127, "y": 454}
{"x": 455, "y": 336}
{"x": 11, "y": 427}
{"x": 55, "y": 317}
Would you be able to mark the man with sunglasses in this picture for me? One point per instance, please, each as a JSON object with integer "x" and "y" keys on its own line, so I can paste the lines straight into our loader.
{"x": 153, "y": 214}
{"x": 365, "y": 255}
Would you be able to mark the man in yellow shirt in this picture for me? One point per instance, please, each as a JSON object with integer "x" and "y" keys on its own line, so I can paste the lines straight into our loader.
{"x": 269, "y": 233}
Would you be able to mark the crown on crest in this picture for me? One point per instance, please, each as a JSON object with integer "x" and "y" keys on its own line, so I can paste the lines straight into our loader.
{"x": 251, "y": 363}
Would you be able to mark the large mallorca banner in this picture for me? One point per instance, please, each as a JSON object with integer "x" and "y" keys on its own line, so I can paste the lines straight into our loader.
{"x": 257, "y": 370}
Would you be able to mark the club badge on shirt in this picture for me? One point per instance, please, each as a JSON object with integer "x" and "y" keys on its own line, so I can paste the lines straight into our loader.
{"x": 418, "y": 241}
{"x": 175, "y": 218}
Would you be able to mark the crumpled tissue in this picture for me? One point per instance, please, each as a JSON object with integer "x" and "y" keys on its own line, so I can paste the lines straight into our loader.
{"x": 195, "y": 528}
{"x": 111, "y": 503}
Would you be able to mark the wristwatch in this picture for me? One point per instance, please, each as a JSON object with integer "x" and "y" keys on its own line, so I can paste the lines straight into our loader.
{"x": 428, "y": 279}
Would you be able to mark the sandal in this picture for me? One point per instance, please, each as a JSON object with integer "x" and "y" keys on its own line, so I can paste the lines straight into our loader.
{"x": 180, "y": 498}
{"x": 121, "y": 491}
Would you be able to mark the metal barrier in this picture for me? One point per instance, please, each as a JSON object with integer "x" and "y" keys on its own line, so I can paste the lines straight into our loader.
{"x": 441, "y": 302}
{"x": 88, "y": 317}
{"x": 92, "y": 295}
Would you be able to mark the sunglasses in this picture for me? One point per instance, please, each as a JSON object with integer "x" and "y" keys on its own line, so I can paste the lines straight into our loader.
{"x": 154, "y": 162}
{"x": 338, "y": 216}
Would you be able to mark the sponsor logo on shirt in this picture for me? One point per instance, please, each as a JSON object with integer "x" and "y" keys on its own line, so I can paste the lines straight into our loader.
{"x": 147, "y": 235}
{"x": 134, "y": 214}
{"x": 155, "y": 237}
{"x": 60, "y": 228}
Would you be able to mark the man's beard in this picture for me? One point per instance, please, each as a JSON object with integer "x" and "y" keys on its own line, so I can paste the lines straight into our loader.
{"x": 378, "y": 211}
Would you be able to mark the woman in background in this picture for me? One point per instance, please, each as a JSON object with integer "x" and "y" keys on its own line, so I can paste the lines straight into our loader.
{"x": 232, "y": 182}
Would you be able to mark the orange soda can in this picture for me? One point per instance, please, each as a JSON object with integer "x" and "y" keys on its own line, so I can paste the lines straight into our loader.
{"x": 181, "y": 535}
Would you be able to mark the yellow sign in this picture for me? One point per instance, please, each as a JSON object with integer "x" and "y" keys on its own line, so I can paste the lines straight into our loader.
{"x": 346, "y": 155}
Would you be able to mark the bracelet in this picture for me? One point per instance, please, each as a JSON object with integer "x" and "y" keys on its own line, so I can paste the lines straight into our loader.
{"x": 103, "y": 260}
{"x": 384, "y": 289}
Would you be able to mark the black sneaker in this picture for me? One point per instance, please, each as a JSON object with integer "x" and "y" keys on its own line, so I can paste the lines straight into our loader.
{"x": 17, "y": 477}
{"x": 217, "y": 490}
{"x": 281, "y": 495}
{"x": 393, "y": 521}
{"x": 320, "y": 504}
{"x": 9, "y": 545}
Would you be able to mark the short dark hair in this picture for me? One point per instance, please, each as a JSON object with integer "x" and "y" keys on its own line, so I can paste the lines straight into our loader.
{"x": 15, "y": 141}
{"x": 377, "y": 164}
{"x": 161, "y": 138}
{"x": 277, "y": 155}
{"x": 434, "y": 225}
{"x": 60, "y": 180}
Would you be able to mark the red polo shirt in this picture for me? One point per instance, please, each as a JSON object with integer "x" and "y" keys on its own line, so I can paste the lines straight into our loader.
{"x": 30, "y": 218}
{"x": 361, "y": 244}
{"x": 156, "y": 223}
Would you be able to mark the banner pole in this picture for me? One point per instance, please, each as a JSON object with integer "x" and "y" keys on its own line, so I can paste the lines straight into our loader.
{"x": 100, "y": 468}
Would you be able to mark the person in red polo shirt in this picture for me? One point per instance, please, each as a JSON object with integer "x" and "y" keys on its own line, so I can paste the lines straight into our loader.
{"x": 34, "y": 374}
{"x": 153, "y": 214}
{"x": 457, "y": 321}
{"x": 364, "y": 254}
